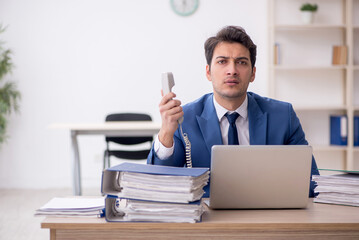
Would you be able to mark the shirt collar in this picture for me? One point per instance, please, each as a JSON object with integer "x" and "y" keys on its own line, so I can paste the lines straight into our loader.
{"x": 221, "y": 111}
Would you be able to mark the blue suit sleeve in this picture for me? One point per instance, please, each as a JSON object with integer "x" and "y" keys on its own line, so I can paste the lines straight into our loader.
{"x": 297, "y": 137}
{"x": 176, "y": 160}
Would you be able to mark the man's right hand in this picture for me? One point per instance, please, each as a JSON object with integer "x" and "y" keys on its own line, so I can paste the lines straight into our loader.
{"x": 171, "y": 111}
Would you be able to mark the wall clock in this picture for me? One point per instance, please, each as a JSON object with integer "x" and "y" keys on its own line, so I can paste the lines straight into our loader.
{"x": 184, "y": 7}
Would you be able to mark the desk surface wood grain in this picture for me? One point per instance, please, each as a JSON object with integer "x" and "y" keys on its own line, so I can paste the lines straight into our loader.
{"x": 322, "y": 221}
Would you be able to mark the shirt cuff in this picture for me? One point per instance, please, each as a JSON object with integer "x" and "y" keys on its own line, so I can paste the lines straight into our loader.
{"x": 161, "y": 151}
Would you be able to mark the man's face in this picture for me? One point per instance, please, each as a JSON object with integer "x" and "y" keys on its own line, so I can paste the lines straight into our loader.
{"x": 230, "y": 72}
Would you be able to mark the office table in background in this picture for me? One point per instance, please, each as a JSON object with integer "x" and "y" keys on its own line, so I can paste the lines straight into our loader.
{"x": 123, "y": 129}
{"x": 318, "y": 221}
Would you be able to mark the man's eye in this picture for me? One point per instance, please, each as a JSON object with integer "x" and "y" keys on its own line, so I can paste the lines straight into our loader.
{"x": 242, "y": 62}
{"x": 222, "y": 61}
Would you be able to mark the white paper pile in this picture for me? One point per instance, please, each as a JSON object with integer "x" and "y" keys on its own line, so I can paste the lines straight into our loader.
{"x": 133, "y": 210}
{"x": 340, "y": 189}
{"x": 73, "y": 207}
{"x": 164, "y": 188}
{"x": 152, "y": 193}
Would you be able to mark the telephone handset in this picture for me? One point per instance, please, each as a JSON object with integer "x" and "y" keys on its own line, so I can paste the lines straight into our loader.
{"x": 167, "y": 83}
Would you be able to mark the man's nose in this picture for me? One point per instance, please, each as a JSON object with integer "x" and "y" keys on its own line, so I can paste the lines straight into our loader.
{"x": 232, "y": 69}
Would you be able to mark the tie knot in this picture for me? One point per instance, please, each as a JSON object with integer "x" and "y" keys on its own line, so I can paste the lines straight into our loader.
{"x": 232, "y": 117}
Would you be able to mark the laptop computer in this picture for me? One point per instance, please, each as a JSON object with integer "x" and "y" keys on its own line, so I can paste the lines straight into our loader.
{"x": 260, "y": 176}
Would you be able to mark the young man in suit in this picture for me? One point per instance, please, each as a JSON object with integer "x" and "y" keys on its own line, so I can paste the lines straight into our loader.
{"x": 229, "y": 115}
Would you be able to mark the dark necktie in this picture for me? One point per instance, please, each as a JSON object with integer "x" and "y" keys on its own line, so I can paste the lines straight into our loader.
{"x": 232, "y": 130}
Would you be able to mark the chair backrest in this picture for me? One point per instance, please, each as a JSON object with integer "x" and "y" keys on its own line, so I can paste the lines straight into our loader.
{"x": 128, "y": 117}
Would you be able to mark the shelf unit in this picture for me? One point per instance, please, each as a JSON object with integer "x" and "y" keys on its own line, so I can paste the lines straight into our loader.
{"x": 306, "y": 77}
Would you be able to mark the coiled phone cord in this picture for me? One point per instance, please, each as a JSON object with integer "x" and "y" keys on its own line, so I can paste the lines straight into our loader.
{"x": 188, "y": 148}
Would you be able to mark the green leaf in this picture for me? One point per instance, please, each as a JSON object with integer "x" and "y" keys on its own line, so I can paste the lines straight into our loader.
{"x": 3, "y": 124}
{"x": 9, "y": 95}
{"x": 9, "y": 98}
{"x": 309, "y": 7}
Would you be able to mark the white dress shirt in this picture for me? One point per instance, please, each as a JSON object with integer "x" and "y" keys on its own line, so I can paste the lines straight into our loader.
{"x": 242, "y": 124}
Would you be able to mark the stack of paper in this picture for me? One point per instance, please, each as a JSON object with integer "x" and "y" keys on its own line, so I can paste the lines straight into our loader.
{"x": 340, "y": 189}
{"x": 147, "y": 211}
{"x": 165, "y": 188}
{"x": 138, "y": 192}
{"x": 73, "y": 207}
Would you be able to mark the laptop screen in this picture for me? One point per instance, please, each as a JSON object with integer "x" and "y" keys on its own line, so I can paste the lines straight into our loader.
{"x": 260, "y": 176}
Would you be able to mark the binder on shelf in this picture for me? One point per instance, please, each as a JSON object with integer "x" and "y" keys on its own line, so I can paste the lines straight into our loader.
{"x": 339, "y": 130}
{"x": 277, "y": 59}
{"x": 128, "y": 210}
{"x": 356, "y": 130}
{"x": 340, "y": 54}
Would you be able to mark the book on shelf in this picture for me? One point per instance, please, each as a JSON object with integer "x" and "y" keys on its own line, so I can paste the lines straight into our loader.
{"x": 340, "y": 55}
{"x": 341, "y": 189}
{"x": 140, "y": 192}
{"x": 73, "y": 207}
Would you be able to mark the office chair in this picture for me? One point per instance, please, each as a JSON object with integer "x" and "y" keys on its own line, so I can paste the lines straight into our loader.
{"x": 127, "y": 154}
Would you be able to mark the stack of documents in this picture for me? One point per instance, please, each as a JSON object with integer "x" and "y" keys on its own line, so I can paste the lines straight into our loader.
{"x": 73, "y": 207}
{"x": 340, "y": 189}
{"x": 147, "y": 211}
{"x": 138, "y": 192}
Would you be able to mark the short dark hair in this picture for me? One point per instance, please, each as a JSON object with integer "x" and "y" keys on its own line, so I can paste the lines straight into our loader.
{"x": 230, "y": 34}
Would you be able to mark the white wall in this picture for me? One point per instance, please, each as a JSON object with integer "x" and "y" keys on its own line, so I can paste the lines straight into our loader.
{"x": 78, "y": 60}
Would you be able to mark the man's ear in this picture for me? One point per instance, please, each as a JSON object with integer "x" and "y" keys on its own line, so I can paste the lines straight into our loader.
{"x": 253, "y": 74}
{"x": 208, "y": 73}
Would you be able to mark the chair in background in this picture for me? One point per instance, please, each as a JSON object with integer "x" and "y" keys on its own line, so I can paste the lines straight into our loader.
{"x": 127, "y": 154}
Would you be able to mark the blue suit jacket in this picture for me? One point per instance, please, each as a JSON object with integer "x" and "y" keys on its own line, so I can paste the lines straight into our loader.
{"x": 271, "y": 122}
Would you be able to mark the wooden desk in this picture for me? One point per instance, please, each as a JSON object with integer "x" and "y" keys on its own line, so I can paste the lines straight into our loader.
{"x": 318, "y": 221}
{"x": 124, "y": 129}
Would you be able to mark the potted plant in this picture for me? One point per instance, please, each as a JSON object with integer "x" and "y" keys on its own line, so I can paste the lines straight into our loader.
{"x": 9, "y": 95}
{"x": 308, "y": 11}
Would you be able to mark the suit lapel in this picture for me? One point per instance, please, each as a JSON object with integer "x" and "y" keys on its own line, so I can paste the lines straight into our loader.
{"x": 257, "y": 123}
{"x": 209, "y": 125}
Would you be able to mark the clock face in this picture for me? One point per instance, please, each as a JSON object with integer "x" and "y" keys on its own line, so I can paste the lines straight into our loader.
{"x": 184, "y": 7}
